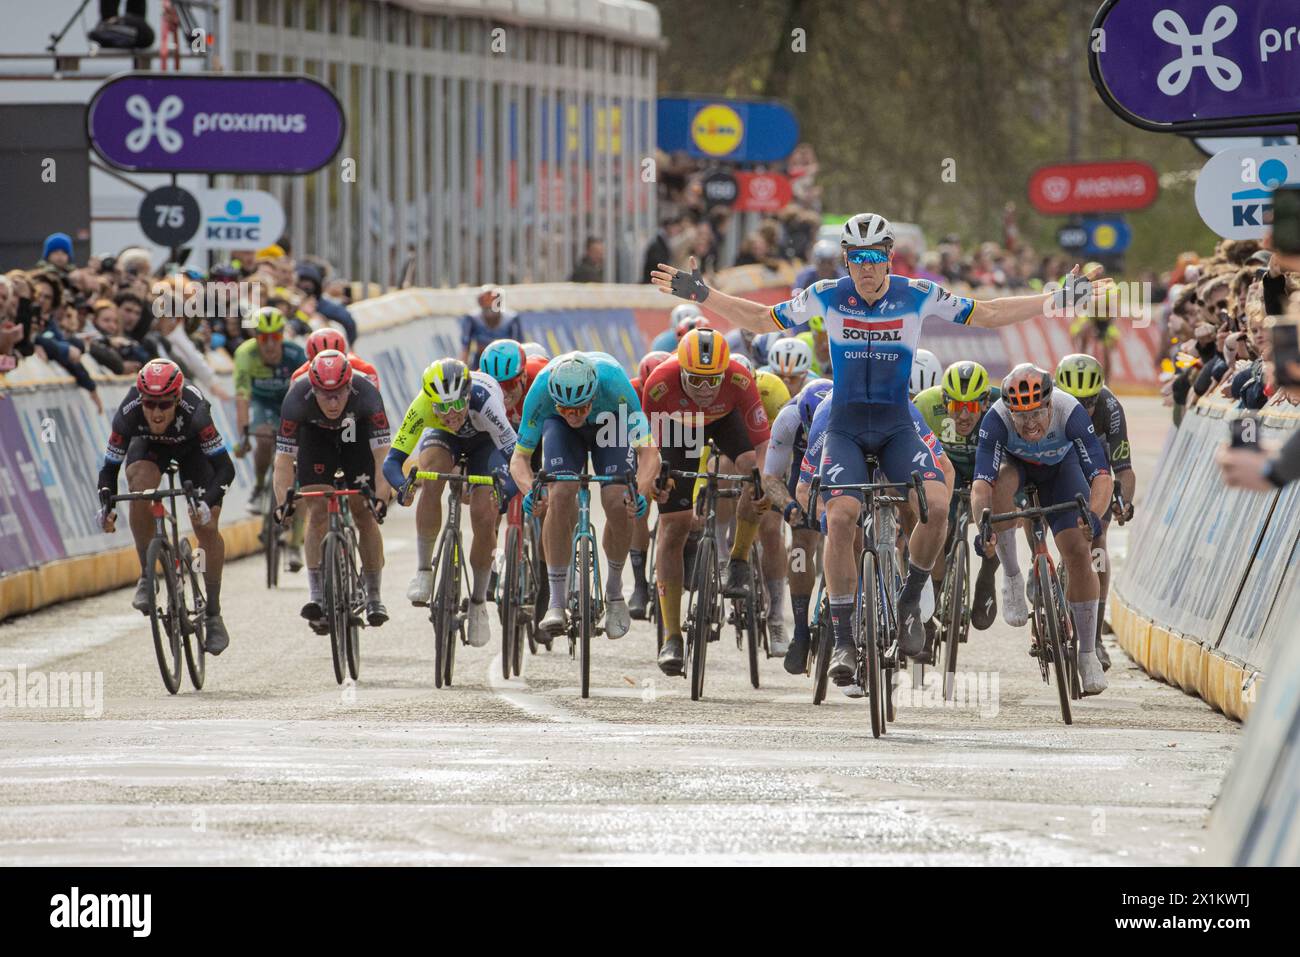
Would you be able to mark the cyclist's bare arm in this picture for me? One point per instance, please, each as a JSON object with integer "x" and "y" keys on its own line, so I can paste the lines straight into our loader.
{"x": 749, "y": 315}
{"x": 1103, "y": 486}
{"x": 521, "y": 470}
{"x": 1009, "y": 310}
{"x": 647, "y": 469}
{"x": 383, "y": 491}
{"x": 1128, "y": 484}
{"x": 774, "y": 488}
{"x": 282, "y": 476}
{"x": 981, "y": 497}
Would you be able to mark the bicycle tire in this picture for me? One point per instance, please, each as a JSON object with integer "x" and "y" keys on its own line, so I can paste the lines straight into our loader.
{"x": 510, "y": 603}
{"x": 195, "y": 654}
{"x": 887, "y": 614}
{"x": 354, "y": 601}
{"x": 271, "y": 549}
{"x": 586, "y": 611}
{"x": 442, "y": 608}
{"x": 1070, "y": 637}
{"x": 1052, "y": 621}
{"x": 822, "y": 659}
{"x": 868, "y": 625}
{"x": 960, "y": 585}
{"x": 749, "y": 609}
{"x": 160, "y": 573}
{"x": 529, "y": 594}
{"x": 336, "y": 608}
{"x": 703, "y": 598}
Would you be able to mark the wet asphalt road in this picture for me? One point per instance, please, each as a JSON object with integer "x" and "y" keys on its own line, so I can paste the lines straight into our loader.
{"x": 274, "y": 763}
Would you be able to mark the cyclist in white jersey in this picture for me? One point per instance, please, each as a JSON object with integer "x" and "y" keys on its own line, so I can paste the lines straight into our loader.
{"x": 873, "y": 320}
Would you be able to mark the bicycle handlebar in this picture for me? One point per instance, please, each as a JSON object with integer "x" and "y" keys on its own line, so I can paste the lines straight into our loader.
{"x": 456, "y": 478}
{"x": 1080, "y": 504}
{"x": 150, "y": 495}
{"x": 378, "y": 508}
{"x": 914, "y": 484}
{"x": 627, "y": 478}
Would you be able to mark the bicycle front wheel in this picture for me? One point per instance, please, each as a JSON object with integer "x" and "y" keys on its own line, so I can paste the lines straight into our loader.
{"x": 164, "y": 611}
{"x": 825, "y": 636}
{"x": 271, "y": 548}
{"x": 586, "y": 612}
{"x": 356, "y": 609}
{"x": 1052, "y": 621}
{"x": 703, "y": 598}
{"x": 869, "y": 639}
{"x": 443, "y": 607}
{"x": 510, "y": 605}
{"x": 194, "y": 610}
{"x": 957, "y": 605}
{"x": 336, "y": 601}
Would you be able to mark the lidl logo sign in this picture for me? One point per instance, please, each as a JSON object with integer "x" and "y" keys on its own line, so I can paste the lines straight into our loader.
{"x": 717, "y": 129}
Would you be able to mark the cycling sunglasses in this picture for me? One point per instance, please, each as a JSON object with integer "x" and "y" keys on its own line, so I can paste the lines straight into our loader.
{"x": 585, "y": 407}
{"x": 863, "y": 256}
{"x": 455, "y": 405}
{"x": 974, "y": 407}
{"x": 270, "y": 337}
{"x": 158, "y": 403}
{"x": 1028, "y": 415}
{"x": 703, "y": 381}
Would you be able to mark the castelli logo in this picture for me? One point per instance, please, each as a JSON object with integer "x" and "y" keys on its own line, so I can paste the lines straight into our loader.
{"x": 1056, "y": 188}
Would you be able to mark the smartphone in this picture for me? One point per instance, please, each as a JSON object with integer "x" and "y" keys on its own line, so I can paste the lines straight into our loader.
{"x": 1286, "y": 219}
{"x": 1245, "y": 432}
{"x": 1285, "y": 335}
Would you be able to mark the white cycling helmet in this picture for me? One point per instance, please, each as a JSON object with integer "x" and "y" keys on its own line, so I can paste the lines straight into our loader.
{"x": 790, "y": 357}
{"x": 926, "y": 371}
{"x": 535, "y": 349}
{"x": 824, "y": 249}
{"x": 744, "y": 360}
{"x": 684, "y": 311}
{"x": 866, "y": 229}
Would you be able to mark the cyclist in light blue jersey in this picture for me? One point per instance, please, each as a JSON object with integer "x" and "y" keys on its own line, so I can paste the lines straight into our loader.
{"x": 583, "y": 404}
{"x": 873, "y": 320}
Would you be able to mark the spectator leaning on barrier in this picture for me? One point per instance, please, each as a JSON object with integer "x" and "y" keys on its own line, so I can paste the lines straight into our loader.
{"x": 661, "y": 248}
{"x": 1252, "y": 468}
{"x": 591, "y": 267}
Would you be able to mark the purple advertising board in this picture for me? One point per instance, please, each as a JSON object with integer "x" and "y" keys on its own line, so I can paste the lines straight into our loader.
{"x": 28, "y": 533}
{"x": 215, "y": 123}
{"x": 1198, "y": 64}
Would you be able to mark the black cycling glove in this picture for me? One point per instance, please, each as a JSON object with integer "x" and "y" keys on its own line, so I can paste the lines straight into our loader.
{"x": 690, "y": 285}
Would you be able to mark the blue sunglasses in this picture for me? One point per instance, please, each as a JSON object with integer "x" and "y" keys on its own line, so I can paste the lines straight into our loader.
{"x": 861, "y": 256}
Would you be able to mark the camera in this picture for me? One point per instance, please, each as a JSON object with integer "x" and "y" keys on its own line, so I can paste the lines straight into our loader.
{"x": 1285, "y": 334}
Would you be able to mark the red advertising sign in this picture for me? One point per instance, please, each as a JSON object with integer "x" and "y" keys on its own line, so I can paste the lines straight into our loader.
{"x": 1093, "y": 187}
{"x": 762, "y": 192}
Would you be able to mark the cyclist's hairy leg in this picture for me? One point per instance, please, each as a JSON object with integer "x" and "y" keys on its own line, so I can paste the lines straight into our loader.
{"x": 1082, "y": 590}
{"x": 484, "y": 516}
{"x": 428, "y": 510}
{"x": 141, "y": 476}
{"x": 1098, "y": 547}
{"x": 315, "y": 525}
{"x": 726, "y": 508}
{"x": 927, "y": 537}
{"x": 616, "y": 541}
{"x": 214, "y": 558}
{"x": 842, "y": 580}
{"x": 369, "y": 537}
{"x": 670, "y": 566}
{"x": 557, "y": 526}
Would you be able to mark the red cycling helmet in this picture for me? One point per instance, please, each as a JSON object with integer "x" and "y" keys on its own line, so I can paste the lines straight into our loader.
{"x": 691, "y": 322}
{"x": 650, "y": 361}
{"x": 160, "y": 379}
{"x": 330, "y": 371}
{"x": 323, "y": 339}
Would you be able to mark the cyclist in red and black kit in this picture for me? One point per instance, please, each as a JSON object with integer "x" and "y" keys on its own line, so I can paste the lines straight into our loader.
{"x": 333, "y": 420}
{"x": 714, "y": 397}
{"x": 163, "y": 420}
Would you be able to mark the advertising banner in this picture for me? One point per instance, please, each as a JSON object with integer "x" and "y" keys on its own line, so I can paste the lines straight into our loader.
{"x": 28, "y": 533}
{"x": 1234, "y": 193}
{"x": 1093, "y": 187}
{"x": 741, "y": 131}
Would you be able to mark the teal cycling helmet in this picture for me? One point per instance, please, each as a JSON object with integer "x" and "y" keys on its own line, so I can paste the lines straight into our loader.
{"x": 572, "y": 380}
{"x": 503, "y": 360}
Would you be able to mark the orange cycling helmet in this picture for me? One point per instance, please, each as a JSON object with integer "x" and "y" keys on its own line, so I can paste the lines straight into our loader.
{"x": 1027, "y": 388}
{"x": 703, "y": 352}
{"x": 323, "y": 339}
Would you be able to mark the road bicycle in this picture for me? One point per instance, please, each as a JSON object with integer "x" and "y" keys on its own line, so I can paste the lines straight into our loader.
{"x": 344, "y": 594}
{"x": 518, "y": 592}
{"x": 1055, "y": 645}
{"x": 586, "y": 597}
{"x": 954, "y": 611}
{"x": 177, "y": 608}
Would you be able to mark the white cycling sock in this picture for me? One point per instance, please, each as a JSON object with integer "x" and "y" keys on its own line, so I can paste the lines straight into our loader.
{"x": 559, "y": 579}
{"x": 614, "y": 580}
{"x": 1085, "y": 624}
{"x": 424, "y": 545}
{"x": 776, "y": 598}
{"x": 1008, "y": 553}
{"x": 480, "y": 577}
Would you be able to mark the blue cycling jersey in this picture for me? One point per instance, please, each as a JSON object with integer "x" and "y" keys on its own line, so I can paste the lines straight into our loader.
{"x": 816, "y": 438}
{"x": 872, "y": 346}
{"x": 1070, "y": 428}
{"x": 613, "y": 392}
{"x": 809, "y": 275}
{"x": 666, "y": 341}
{"x": 475, "y": 332}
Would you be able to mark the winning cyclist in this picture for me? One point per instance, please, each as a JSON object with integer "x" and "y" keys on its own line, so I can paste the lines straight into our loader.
{"x": 162, "y": 420}
{"x": 954, "y": 409}
{"x": 333, "y": 420}
{"x": 1036, "y": 433}
{"x": 458, "y": 414}
{"x": 1081, "y": 376}
{"x": 873, "y": 321}
{"x": 697, "y": 395}
{"x": 573, "y": 410}
{"x": 263, "y": 370}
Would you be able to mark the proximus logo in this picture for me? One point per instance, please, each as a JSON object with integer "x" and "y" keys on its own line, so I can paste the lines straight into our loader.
{"x": 1197, "y": 50}
{"x": 154, "y": 124}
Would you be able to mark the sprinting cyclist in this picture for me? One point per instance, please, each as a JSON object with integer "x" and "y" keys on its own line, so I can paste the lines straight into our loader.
{"x": 573, "y": 410}
{"x": 331, "y": 338}
{"x": 792, "y": 360}
{"x": 162, "y": 420}
{"x": 1036, "y": 433}
{"x": 514, "y": 371}
{"x": 334, "y": 420}
{"x": 697, "y": 395}
{"x": 264, "y": 368}
{"x": 457, "y": 414}
{"x": 873, "y": 321}
{"x": 926, "y": 371}
{"x": 1081, "y": 376}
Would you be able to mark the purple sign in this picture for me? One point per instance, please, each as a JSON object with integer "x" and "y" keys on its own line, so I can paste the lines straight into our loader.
{"x": 1197, "y": 64}
{"x": 28, "y": 533}
{"x": 215, "y": 123}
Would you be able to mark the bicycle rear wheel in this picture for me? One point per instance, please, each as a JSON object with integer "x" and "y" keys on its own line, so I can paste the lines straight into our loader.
{"x": 336, "y": 601}
{"x": 1069, "y": 636}
{"x": 529, "y": 596}
{"x": 703, "y": 600}
{"x": 957, "y": 604}
{"x": 194, "y": 612}
{"x": 1052, "y": 621}
{"x": 825, "y": 636}
{"x": 886, "y": 616}
{"x": 271, "y": 548}
{"x": 443, "y": 607}
{"x": 510, "y": 605}
{"x": 356, "y": 608}
{"x": 164, "y": 615}
{"x": 869, "y": 641}
{"x": 586, "y": 611}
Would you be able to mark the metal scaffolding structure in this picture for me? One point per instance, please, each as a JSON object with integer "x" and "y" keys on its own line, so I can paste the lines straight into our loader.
{"x": 485, "y": 140}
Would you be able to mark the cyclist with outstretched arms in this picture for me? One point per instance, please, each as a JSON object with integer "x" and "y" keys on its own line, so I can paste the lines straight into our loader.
{"x": 1081, "y": 376}
{"x": 873, "y": 320}
{"x": 954, "y": 409}
{"x": 781, "y": 471}
{"x": 573, "y": 411}
{"x": 702, "y": 393}
{"x": 163, "y": 420}
{"x": 457, "y": 414}
{"x": 264, "y": 367}
{"x": 1040, "y": 434}
{"x": 334, "y": 420}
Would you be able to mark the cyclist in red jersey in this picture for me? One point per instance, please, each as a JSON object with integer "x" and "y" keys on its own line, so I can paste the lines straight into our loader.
{"x": 700, "y": 394}
{"x": 331, "y": 338}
